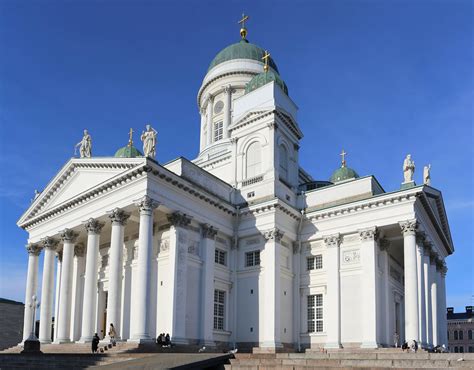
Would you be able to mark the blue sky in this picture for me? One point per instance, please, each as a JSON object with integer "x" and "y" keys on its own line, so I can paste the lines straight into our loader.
{"x": 378, "y": 78}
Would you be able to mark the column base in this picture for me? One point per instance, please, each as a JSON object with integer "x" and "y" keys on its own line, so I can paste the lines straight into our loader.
{"x": 370, "y": 345}
{"x": 46, "y": 341}
{"x": 270, "y": 344}
{"x": 143, "y": 340}
{"x": 84, "y": 340}
{"x": 333, "y": 345}
{"x": 62, "y": 341}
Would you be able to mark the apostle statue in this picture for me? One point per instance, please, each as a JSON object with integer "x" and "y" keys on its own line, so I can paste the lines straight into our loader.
{"x": 408, "y": 168}
{"x": 149, "y": 141}
{"x": 427, "y": 175}
{"x": 85, "y": 146}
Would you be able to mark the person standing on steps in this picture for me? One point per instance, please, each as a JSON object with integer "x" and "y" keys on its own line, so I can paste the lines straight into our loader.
{"x": 112, "y": 334}
{"x": 95, "y": 343}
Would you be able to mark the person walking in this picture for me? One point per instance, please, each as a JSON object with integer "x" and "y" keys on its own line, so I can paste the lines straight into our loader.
{"x": 112, "y": 334}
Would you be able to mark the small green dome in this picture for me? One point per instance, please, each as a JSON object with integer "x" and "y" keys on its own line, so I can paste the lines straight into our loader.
{"x": 343, "y": 173}
{"x": 128, "y": 151}
{"x": 241, "y": 50}
{"x": 264, "y": 78}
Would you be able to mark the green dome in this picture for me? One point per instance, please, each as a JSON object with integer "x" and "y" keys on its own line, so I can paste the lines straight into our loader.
{"x": 128, "y": 151}
{"x": 264, "y": 78}
{"x": 241, "y": 50}
{"x": 343, "y": 173}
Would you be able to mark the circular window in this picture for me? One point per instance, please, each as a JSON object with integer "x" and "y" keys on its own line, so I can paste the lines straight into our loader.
{"x": 218, "y": 107}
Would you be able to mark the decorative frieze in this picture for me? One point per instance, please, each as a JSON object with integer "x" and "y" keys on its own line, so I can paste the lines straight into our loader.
{"x": 208, "y": 231}
{"x": 33, "y": 249}
{"x": 79, "y": 250}
{"x": 409, "y": 227}
{"x": 118, "y": 216}
{"x": 369, "y": 234}
{"x": 332, "y": 240}
{"x": 273, "y": 234}
{"x": 93, "y": 226}
{"x": 68, "y": 235}
{"x": 178, "y": 219}
{"x": 384, "y": 244}
{"x": 146, "y": 204}
{"x": 49, "y": 243}
{"x": 351, "y": 257}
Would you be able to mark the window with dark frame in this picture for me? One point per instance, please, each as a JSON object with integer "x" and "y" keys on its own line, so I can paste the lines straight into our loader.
{"x": 219, "y": 309}
{"x": 315, "y": 313}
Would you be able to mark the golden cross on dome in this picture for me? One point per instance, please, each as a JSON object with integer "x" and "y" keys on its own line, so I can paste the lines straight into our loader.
{"x": 130, "y": 137}
{"x": 343, "y": 155}
{"x": 265, "y": 59}
{"x": 243, "y": 30}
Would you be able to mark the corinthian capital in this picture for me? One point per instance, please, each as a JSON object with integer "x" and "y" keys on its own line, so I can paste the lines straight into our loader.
{"x": 332, "y": 240}
{"x": 420, "y": 237}
{"x": 118, "y": 216}
{"x": 33, "y": 249}
{"x": 273, "y": 234}
{"x": 49, "y": 243}
{"x": 67, "y": 235}
{"x": 208, "y": 231}
{"x": 409, "y": 227}
{"x": 146, "y": 204}
{"x": 79, "y": 250}
{"x": 179, "y": 219}
{"x": 369, "y": 234}
{"x": 93, "y": 226}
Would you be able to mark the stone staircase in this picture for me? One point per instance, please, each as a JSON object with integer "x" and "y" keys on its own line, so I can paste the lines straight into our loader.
{"x": 349, "y": 359}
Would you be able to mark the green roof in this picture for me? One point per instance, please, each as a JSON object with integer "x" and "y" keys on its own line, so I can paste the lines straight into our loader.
{"x": 128, "y": 151}
{"x": 264, "y": 78}
{"x": 241, "y": 50}
{"x": 343, "y": 173}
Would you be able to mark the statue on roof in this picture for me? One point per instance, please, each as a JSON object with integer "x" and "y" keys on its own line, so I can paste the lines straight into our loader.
{"x": 408, "y": 168}
{"x": 149, "y": 141}
{"x": 427, "y": 175}
{"x": 85, "y": 146}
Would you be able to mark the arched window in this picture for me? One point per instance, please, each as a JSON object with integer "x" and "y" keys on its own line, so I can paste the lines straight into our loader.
{"x": 469, "y": 334}
{"x": 253, "y": 160}
{"x": 455, "y": 335}
{"x": 283, "y": 155}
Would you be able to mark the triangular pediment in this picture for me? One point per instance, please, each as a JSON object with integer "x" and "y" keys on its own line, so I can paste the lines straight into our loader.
{"x": 77, "y": 177}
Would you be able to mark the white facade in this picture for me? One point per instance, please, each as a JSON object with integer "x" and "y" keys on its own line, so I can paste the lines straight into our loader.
{"x": 230, "y": 249}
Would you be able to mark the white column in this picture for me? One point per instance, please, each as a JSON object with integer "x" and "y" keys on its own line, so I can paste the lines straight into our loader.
{"x": 368, "y": 249}
{"x": 93, "y": 228}
{"x": 31, "y": 287}
{"x": 270, "y": 261}
{"x": 427, "y": 289}
{"x": 77, "y": 292}
{"x": 47, "y": 290}
{"x": 118, "y": 218}
{"x": 64, "y": 324}
{"x": 434, "y": 298}
{"x": 387, "y": 293}
{"x": 420, "y": 239}
{"x": 333, "y": 295}
{"x": 227, "y": 110}
{"x": 202, "y": 142}
{"x": 146, "y": 206}
{"x": 208, "y": 247}
{"x": 178, "y": 272}
{"x": 209, "y": 119}
{"x": 412, "y": 331}
{"x": 442, "y": 320}
{"x": 59, "y": 256}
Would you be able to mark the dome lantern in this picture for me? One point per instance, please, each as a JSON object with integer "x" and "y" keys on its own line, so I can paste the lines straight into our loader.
{"x": 343, "y": 173}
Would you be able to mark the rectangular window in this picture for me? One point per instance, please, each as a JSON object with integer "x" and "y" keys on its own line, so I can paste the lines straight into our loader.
{"x": 461, "y": 335}
{"x": 219, "y": 309}
{"x": 315, "y": 313}
{"x": 218, "y": 130}
{"x": 220, "y": 257}
{"x": 314, "y": 262}
{"x": 252, "y": 258}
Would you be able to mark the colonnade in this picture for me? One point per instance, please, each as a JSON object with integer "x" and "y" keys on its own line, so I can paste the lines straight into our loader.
{"x": 75, "y": 313}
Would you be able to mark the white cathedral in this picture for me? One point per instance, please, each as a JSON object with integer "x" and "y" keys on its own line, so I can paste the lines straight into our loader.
{"x": 239, "y": 247}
